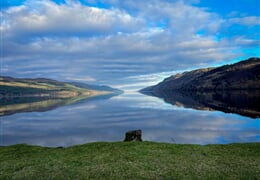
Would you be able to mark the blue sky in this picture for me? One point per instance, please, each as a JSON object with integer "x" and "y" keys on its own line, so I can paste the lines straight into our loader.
{"x": 127, "y": 44}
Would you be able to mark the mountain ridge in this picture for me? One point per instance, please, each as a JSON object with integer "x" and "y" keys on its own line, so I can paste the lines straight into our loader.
{"x": 243, "y": 75}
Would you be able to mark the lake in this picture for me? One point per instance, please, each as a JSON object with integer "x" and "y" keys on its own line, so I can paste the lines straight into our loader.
{"x": 108, "y": 118}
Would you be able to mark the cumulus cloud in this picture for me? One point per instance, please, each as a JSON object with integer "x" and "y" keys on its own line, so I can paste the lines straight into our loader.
{"x": 46, "y": 18}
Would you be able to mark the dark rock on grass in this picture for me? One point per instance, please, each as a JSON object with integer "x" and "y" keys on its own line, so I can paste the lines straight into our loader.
{"x": 135, "y": 135}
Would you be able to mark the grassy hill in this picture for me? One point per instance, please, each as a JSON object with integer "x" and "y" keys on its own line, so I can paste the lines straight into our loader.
{"x": 131, "y": 160}
{"x": 244, "y": 75}
{"x": 40, "y": 87}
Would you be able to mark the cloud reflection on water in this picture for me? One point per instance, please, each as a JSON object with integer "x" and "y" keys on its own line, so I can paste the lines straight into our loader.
{"x": 108, "y": 120}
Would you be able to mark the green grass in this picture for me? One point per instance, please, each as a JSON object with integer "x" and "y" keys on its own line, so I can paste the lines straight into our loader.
{"x": 131, "y": 160}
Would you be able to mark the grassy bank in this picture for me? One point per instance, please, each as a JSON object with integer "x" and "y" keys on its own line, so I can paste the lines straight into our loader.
{"x": 131, "y": 160}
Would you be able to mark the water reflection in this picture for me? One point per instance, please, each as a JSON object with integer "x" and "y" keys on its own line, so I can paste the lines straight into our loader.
{"x": 109, "y": 119}
{"x": 40, "y": 104}
{"x": 245, "y": 103}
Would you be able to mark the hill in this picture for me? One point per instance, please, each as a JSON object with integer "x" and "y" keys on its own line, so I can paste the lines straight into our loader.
{"x": 98, "y": 87}
{"x": 41, "y": 87}
{"x": 244, "y": 75}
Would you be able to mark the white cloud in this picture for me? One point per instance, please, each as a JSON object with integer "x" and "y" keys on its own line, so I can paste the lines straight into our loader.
{"x": 82, "y": 79}
{"x": 247, "y": 21}
{"x": 45, "y": 18}
{"x": 137, "y": 82}
{"x": 243, "y": 41}
{"x": 109, "y": 45}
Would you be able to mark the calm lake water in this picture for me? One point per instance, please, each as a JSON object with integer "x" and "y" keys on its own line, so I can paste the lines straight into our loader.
{"x": 107, "y": 119}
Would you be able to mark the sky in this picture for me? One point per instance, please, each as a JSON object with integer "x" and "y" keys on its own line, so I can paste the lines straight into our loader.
{"x": 126, "y": 44}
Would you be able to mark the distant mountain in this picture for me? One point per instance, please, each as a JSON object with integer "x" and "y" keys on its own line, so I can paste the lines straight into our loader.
{"x": 98, "y": 87}
{"x": 244, "y": 75}
{"x": 41, "y": 87}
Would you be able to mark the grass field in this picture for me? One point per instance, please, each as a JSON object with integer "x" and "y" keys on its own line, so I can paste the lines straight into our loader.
{"x": 131, "y": 160}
